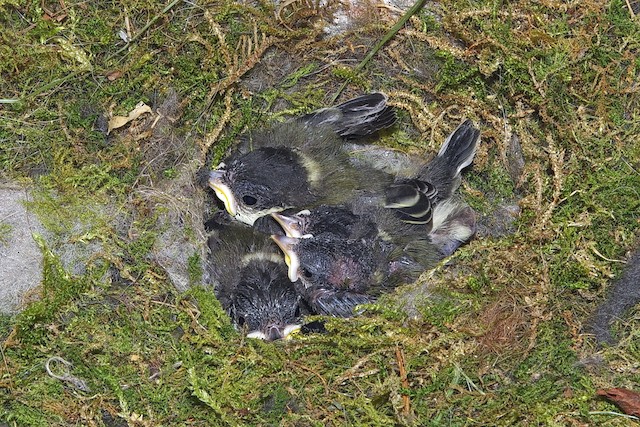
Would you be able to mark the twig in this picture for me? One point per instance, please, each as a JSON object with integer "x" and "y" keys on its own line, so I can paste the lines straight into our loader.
{"x": 388, "y": 36}
{"x": 146, "y": 27}
{"x": 406, "y": 407}
{"x": 212, "y": 136}
{"x": 78, "y": 383}
{"x": 631, "y": 12}
{"x": 613, "y": 413}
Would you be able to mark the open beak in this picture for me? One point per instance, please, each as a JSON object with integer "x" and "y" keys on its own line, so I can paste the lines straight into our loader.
{"x": 287, "y": 244}
{"x": 290, "y": 224}
{"x": 223, "y": 192}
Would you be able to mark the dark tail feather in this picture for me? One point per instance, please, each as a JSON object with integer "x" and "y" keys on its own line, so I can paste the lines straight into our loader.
{"x": 456, "y": 153}
{"x": 414, "y": 199}
{"x": 355, "y": 118}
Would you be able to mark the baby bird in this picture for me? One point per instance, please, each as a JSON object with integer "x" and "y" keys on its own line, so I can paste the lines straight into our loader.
{"x": 425, "y": 203}
{"x": 343, "y": 256}
{"x": 302, "y": 162}
{"x": 251, "y": 282}
{"x": 334, "y": 274}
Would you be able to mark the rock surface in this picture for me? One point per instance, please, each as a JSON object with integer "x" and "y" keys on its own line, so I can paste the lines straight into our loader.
{"x": 20, "y": 256}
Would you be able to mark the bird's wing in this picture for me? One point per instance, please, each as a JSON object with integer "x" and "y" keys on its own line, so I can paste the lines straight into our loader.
{"x": 354, "y": 118}
{"x": 338, "y": 303}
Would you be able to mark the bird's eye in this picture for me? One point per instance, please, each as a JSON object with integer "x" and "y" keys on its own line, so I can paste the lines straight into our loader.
{"x": 241, "y": 321}
{"x": 306, "y": 273}
{"x": 249, "y": 200}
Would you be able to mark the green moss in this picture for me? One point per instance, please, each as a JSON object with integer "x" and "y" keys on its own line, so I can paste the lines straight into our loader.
{"x": 194, "y": 266}
{"x": 5, "y": 232}
{"x": 559, "y": 73}
{"x": 350, "y": 75}
{"x": 58, "y": 290}
{"x": 454, "y": 73}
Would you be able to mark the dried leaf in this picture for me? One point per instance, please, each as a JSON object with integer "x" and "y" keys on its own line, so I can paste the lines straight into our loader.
{"x": 119, "y": 121}
{"x": 625, "y": 399}
{"x": 114, "y": 75}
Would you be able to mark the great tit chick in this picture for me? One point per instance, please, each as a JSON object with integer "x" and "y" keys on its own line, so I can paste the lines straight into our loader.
{"x": 251, "y": 282}
{"x": 424, "y": 199}
{"x": 339, "y": 220}
{"x": 352, "y": 258}
{"x": 334, "y": 275}
{"x": 302, "y": 162}
{"x": 414, "y": 198}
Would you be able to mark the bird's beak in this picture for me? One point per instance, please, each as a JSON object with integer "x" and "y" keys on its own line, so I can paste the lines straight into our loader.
{"x": 223, "y": 192}
{"x": 273, "y": 333}
{"x": 287, "y": 244}
{"x": 290, "y": 224}
{"x": 290, "y": 331}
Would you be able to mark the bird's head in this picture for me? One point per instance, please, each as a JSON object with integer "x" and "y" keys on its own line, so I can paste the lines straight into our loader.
{"x": 328, "y": 260}
{"x": 260, "y": 182}
{"x": 265, "y": 303}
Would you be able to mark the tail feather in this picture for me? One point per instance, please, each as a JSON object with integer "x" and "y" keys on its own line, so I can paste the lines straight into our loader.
{"x": 414, "y": 199}
{"x": 356, "y": 117}
{"x": 457, "y": 152}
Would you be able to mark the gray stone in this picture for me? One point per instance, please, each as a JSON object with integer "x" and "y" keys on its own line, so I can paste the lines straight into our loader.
{"x": 20, "y": 256}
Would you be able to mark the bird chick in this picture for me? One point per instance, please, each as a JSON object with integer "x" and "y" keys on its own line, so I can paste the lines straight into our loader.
{"x": 425, "y": 202}
{"x": 351, "y": 259}
{"x": 302, "y": 162}
{"x": 335, "y": 275}
{"x": 344, "y": 255}
{"x": 251, "y": 283}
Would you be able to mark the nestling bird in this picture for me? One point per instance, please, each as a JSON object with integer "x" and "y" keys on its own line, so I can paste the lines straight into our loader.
{"x": 343, "y": 256}
{"x": 335, "y": 274}
{"x": 424, "y": 202}
{"x": 349, "y": 259}
{"x": 251, "y": 282}
{"x": 301, "y": 163}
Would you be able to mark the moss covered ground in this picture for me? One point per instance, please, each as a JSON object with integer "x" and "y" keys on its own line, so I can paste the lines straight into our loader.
{"x": 500, "y": 339}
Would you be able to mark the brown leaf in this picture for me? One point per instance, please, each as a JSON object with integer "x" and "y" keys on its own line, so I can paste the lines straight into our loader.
{"x": 625, "y": 399}
{"x": 119, "y": 121}
{"x": 113, "y": 75}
